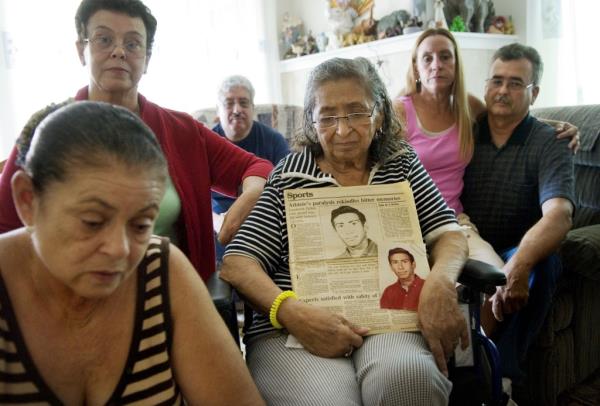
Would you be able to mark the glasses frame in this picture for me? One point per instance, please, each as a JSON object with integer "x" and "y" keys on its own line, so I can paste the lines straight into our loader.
{"x": 348, "y": 117}
{"x": 114, "y": 44}
{"x": 510, "y": 84}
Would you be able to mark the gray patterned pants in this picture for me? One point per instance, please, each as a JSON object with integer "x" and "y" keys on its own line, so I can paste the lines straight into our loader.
{"x": 388, "y": 369}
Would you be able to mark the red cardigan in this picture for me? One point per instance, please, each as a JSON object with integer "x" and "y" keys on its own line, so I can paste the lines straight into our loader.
{"x": 198, "y": 159}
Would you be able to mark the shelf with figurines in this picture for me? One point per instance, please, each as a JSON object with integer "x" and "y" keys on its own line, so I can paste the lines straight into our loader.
{"x": 396, "y": 32}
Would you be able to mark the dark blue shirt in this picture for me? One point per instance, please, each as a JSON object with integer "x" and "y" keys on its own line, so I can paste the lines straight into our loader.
{"x": 504, "y": 187}
{"x": 262, "y": 141}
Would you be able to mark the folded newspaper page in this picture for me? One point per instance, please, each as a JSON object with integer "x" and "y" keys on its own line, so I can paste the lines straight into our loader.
{"x": 358, "y": 251}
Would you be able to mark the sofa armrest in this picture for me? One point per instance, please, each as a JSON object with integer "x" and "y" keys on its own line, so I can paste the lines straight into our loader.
{"x": 580, "y": 252}
{"x": 220, "y": 291}
{"x": 481, "y": 276}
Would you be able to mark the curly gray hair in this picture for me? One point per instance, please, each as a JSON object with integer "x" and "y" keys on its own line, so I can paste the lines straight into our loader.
{"x": 235, "y": 81}
{"x": 387, "y": 139}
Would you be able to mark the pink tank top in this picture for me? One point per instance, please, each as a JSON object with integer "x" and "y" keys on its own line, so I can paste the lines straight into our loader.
{"x": 440, "y": 155}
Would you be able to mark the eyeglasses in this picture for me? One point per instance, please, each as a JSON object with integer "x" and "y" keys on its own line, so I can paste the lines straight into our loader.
{"x": 512, "y": 84}
{"x": 243, "y": 103}
{"x": 107, "y": 43}
{"x": 354, "y": 120}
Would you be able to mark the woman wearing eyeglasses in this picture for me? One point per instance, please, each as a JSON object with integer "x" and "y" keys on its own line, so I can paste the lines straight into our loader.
{"x": 115, "y": 39}
{"x": 350, "y": 136}
{"x": 438, "y": 114}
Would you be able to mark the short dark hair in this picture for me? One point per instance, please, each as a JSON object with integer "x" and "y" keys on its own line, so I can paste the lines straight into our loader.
{"x": 344, "y": 210}
{"x": 515, "y": 51}
{"x": 88, "y": 134}
{"x": 133, "y": 8}
{"x": 386, "y": 142}
{"x": 399, "y": 250}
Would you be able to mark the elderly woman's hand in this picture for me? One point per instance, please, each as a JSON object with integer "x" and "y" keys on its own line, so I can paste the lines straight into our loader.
{"x": 320, "y": 331}
{"x": 442, "y": 323}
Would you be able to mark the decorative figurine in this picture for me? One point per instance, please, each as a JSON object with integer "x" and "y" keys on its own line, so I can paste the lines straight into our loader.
{"x": 413, "y": 25}
{"x": 310, "y": 46}
{"x": 392, "y": 24}
{"x": 509, "y": 28}
{"x": 458, "y": 25}
{"x": 322, "y": 40}
{"x": 341, "y": 20}
{"x": 292, "y": 30}
{"x": 476, "y": 14}
{"x": 501, "y": 25}
{"x": 438, "y": 15}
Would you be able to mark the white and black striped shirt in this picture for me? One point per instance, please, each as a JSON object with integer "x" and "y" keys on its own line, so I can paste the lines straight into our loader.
{"x": 148, "y": 376}
{"x": 263, "y": 236}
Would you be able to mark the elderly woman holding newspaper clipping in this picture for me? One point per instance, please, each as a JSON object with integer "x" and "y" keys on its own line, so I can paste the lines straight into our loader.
{"x": 350, "y": 137}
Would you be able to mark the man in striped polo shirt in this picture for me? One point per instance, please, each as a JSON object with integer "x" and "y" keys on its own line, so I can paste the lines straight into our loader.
{"x": 519, "y": 193}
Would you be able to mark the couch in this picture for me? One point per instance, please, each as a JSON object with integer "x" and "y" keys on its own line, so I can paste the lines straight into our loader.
{"x": 567, "y": 350}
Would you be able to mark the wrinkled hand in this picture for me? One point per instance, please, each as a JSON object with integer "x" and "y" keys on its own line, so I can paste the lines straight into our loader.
{"x": 511, "y": 297}
{"x": 568, "y": 130}
{"x": 442, "y": 323}
{"x": 320, "y": 331}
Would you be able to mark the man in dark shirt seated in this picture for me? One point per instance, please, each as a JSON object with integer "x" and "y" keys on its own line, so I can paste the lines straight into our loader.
{"x": 518, "y": 191}
{"x": 235, "y": 109}
{"x": 404, "y": 293}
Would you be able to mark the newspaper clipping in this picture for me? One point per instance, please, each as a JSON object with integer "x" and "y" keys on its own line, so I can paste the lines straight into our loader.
{"x": 358, "y": 251}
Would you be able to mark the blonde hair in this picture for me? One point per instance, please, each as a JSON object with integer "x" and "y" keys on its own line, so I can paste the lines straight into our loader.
{"x": 459, "y": 98}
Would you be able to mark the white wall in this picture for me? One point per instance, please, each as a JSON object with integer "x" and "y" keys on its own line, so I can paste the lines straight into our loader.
{"x": 271, "y": 16}
{"x": 196, "y": 46}
{"x": 569, "y": 55}
{"x": 7, "y": 127}
{"x": 41, "y": 58}
{"x": 527, "y": 18}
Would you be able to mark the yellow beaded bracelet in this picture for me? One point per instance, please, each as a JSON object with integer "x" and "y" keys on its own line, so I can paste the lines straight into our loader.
{"x": 286, "y": 294}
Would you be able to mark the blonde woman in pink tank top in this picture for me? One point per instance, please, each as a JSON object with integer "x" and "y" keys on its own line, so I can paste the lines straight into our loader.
{"x": 438, "y": 114}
